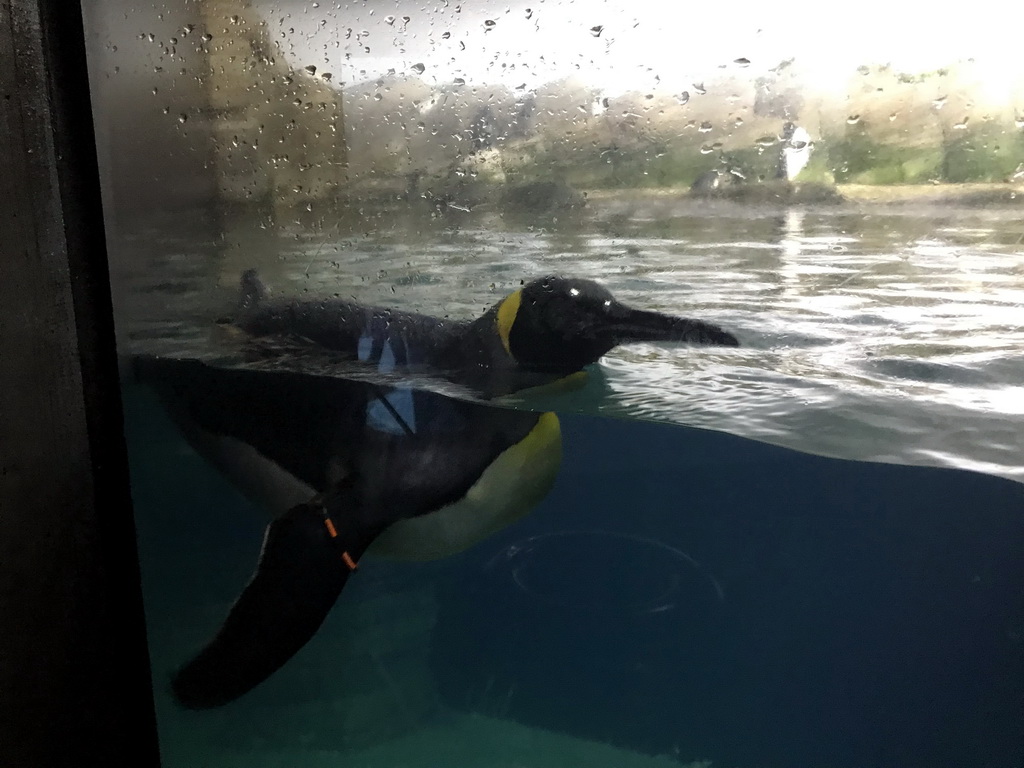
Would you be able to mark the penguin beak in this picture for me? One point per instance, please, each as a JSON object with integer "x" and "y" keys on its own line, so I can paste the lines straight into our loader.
{"x": 625, "y": 324}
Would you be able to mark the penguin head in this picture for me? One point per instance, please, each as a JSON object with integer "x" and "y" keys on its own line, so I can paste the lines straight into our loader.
{"x": 561, "y": 325}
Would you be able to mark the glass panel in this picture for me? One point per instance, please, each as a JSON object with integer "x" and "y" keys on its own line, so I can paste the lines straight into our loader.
{"x": 330, "y": 229}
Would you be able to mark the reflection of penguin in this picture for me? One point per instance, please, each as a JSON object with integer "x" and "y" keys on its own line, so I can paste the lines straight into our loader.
{"x": 353, "y": 466}
{"x": 550, "y": 328}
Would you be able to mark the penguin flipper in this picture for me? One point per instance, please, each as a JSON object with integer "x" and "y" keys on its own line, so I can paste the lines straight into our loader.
{"x": 306, "y": 559}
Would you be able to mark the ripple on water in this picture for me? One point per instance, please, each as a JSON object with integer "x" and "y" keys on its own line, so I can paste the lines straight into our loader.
{"x": 893, "y": 338}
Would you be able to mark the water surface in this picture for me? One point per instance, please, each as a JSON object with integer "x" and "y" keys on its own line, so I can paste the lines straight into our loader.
{"x": 882, "y": 334}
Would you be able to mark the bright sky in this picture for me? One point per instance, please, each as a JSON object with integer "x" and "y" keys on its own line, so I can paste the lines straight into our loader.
{"x": 647, "y": 43}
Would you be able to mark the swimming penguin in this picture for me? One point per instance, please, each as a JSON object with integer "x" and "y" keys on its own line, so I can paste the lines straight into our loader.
{"x": 346, "y": 467}
{"x": 548, "y": 329}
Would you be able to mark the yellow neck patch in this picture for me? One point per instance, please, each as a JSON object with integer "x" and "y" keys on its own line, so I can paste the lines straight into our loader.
{"x": 507, "y": 311}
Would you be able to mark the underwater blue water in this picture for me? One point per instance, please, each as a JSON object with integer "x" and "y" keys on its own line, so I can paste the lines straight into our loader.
{"x": 680, "y": 592}
{"x": 843, "y": 613}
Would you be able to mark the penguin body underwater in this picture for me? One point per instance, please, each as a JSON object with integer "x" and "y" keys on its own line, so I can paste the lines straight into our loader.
{"x": 347, "y": 467}
{"x": 549, "y": 329}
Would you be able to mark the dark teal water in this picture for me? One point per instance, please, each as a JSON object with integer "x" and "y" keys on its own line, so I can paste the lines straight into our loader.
{"x": 685, "y": 593}
{"x": 681, "y": 593}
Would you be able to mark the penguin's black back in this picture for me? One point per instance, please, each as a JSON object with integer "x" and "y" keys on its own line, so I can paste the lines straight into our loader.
{"x": 369, "y": 334}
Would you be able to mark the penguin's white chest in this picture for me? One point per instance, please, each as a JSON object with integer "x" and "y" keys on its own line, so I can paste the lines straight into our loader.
{"x": 512, "y": 485}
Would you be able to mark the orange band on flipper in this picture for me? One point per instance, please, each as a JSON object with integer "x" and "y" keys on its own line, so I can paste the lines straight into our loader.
{"x": 330, "y": 527}
{"x": 349, "y": 561}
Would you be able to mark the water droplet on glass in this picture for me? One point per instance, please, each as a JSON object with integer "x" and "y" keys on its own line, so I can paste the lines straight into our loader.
{"x": 459, "y": 81}
{"x": 182, "y": 118}
{"x": 207, "y": 37}
{"x": 1018, "y": 121}
{"x": 893, "y": 116}
{"x": 489, "y": 23}
{"x": 700, "y": 89}
{"x": 742, "y": 61}
{"x": 683, "y": 97}
{"x": 389, "y": 20}
{"x": 705, "y": 126}
{"x": 962, "y": 125}
{"x": 445, "y": 35}
{"x": 377, "y": 97}
{"x": 766, "y": 141}
{"x": 853, "y": 119}
{"x": 706, "y": 149}
{"x": 418, "y": 68}
{"x": 939, "y": 103}
{"x": 311, "y": 69}
{"x": 596, "y": 31}
{"x": 326, "y": 76}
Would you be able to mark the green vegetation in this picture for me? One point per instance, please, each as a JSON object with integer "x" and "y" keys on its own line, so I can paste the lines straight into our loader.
{"x": 632, "y": 165}
{"x": 987, "y": 151}
{"x": 639, "y": 164}
{"x": 858, "y": 159}
{"x": 472, "y": 145}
